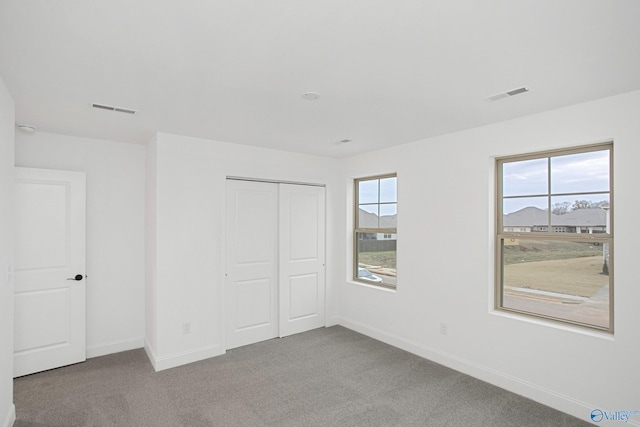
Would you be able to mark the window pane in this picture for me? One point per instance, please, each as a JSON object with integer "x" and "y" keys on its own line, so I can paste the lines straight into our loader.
{"x": 582, "y": 172}
{"x": 525, "y": 214}
{"x": 558, "y": 279}
{"x": 376, "y": 258}
{"x": 524, "y": 178}
{"x": 389, "y": 215}
{"x": 388, "y": 190}
{"x": 368, "y": 191}
{"x": 514, "y": 205}
{"x": 561, "y": 205}
{"x": 580, "y": 214}
{"x": 368, "y": 216}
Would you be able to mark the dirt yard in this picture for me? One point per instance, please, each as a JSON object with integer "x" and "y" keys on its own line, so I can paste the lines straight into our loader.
{"x": 576, "y": 276}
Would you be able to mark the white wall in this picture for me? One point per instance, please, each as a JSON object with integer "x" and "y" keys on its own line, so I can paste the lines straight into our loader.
{"x": 445, "y": 262}
{"x": 151, "y": 309}
{"x": 115, "y": 231}
{"x": 189, "y": 241}
{"x": 7, "y": 410}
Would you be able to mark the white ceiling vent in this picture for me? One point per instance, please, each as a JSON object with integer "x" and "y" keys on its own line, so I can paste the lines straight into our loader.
{"x": 116, "y": 109}
{"x": 512, "y": 92}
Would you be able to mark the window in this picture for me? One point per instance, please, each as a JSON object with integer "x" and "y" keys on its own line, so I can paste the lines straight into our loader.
{"x": 375, "y": 236}
{"x": 561, "y": 266}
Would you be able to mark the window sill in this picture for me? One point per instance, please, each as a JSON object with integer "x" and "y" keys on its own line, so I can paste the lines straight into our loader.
{"x": 366, "y": 285}
{"x": 555, "y": 325}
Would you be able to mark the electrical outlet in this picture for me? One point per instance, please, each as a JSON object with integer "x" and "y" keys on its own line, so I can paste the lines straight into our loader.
{"x": 186, "y": 328}
{"x": 444, "y": 328}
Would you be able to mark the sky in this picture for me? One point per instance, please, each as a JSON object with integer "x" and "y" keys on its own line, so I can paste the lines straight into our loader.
{"x": 570, "y": 175}
{"x": 368, "y": 192}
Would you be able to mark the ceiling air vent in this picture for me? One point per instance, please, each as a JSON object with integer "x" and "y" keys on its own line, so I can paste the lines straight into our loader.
{"x": 508, "y": 93}
{"x": 116, "y": 109}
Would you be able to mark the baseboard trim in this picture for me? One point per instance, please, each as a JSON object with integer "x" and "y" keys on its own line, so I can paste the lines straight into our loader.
{"x": 527, "y": 389}
{"x": 10, "y": 419}
{"x": 183, "y": 358}
{"x": 151, "y": 355}
{"x": 114, "y": 347}
{"x": 332, "y": 321}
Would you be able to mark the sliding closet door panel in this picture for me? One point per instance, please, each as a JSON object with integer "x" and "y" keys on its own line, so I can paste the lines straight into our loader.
{"x": 252, "y": 262}
{"x": 302, "y": 272}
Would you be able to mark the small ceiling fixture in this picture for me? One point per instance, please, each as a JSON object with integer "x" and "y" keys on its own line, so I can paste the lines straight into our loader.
{"x": 512, "y": 92}
{"x": 116, "y": 109}
{"x": 26, "y": 128}
{"x": 310, "y": 96}
{"x": 345, "y": 141}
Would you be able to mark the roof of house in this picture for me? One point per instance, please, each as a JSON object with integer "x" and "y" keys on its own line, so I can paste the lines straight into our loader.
{"x": 593, "y": 216}
{"x": 527, "y": 217}
{"x": 370, "y": 220}
{"x": 531, "y": 216}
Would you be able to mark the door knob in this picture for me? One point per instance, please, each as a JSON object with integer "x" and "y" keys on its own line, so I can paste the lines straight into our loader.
{"x": 78, "y": 277}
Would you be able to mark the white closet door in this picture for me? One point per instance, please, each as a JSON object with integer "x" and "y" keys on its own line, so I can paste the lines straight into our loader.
{"x": 302, "y": 258}
{"x": 252, "y": 262}
{"x": 49, "y": 294}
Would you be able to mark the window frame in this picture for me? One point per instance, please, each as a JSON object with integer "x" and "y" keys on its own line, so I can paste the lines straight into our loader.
{"x": 357, "y": 229}
{"x": 601, "y": 238}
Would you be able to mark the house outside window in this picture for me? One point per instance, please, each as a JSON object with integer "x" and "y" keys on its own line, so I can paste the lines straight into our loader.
{"x": 375, "y": 234}
{"x": 562, "y": 269}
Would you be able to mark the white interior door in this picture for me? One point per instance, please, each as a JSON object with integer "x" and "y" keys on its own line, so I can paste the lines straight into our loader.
{"x": 252, "y": 262}
{"x": 49, "y": 298}
{"x": 302, "y": 258}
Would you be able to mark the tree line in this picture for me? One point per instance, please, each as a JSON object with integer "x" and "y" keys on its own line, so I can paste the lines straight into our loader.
{"x": 561, "y": 208}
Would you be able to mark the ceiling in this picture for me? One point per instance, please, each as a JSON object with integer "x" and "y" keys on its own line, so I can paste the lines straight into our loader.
{"x": 387, "y": 72}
